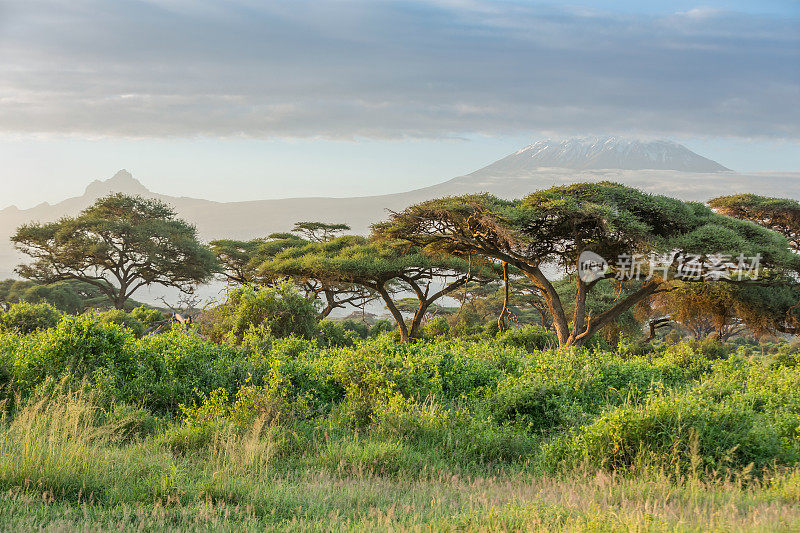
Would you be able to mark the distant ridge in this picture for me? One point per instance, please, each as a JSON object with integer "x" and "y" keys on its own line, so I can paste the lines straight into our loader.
{"x": 538, "y": 166}
{"x": 604, "y": 153}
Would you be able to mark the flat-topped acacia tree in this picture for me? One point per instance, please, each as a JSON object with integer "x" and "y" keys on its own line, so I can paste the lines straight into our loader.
{"x": 553, "y": 226}
{"x": 384, "y": 267}
{"x": 236, "y": 258}
{"x": 119, "y": 244}
{"x": 242, "y": 264}
{"x": 778, "y": 214}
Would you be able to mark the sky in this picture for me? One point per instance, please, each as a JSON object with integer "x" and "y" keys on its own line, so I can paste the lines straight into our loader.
{"x": 247, "y": 99}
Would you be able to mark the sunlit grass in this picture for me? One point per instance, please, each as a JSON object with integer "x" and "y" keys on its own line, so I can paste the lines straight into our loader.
{"x": 64, "y": 467}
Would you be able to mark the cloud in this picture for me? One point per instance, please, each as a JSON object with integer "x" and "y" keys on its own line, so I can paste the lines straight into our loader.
{"x": 383, "y": 69}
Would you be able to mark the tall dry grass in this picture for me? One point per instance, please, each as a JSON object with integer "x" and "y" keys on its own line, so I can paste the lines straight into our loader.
{"x": 65, "y": 466}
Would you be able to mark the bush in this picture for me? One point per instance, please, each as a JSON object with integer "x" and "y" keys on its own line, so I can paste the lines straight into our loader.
{"x": 281, "y": 310}
{"x": 175, "y": 367}
{"x": 380, "y": 326}
{"x": 335, "y": 334}
{"x": 682, "y": 431}
{"x": 358, "y": 327}
{"x": 60, "y": 295}
{"x": 77, "y": 348}
{"x": 531, "y": 338}
{"x": 436, "y": 327}
{"x": 128, "y": 320}
{"x": 147, "y": 315}
{"x": 27, "y": 318}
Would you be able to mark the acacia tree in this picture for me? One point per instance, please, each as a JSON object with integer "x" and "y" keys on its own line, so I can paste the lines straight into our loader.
{"x": 778, "y": 214}
{"x": 704, "y": 309}
{"x": 319, "y": 231}
{"x": 382, "y": 267}
{"x": 119, "y": 244}
{"x": 235, "y": 257}
{"x": 245, "y": 263}
{"x": 774, "y": 308}
{"x": 554, "y": 226}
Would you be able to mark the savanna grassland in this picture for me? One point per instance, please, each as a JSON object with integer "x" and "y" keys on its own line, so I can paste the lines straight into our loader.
{"x": 104, "y": 428}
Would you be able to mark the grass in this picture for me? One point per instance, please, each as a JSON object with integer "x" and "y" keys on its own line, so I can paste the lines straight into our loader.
{"x": 102, "y": 430}
{"x": 320, "y": 501}
{"x": 66, "y": 465}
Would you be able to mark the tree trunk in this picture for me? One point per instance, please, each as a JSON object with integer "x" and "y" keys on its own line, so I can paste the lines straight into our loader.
{"x": 501, "y": 320}
{"x": 398, "y": 316}
{"x": 119, "y": 300}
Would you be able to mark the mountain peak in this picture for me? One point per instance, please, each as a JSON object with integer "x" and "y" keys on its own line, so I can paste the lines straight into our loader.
{"x": 596, "y": 153}
{"x": 121, "y": 182}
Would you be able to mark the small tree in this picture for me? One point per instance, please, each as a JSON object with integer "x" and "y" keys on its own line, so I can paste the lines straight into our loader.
{"x": 119, "y": 244}
{"x": 379, "y": 266}
{"x": 319, "y": 231}
{"x": 235, "y": 257}
{"x": 246, "y": 263}
{"x": 281, "y": 310}
{"x": 553, "y": 227}
{"x": 778, "y": 214}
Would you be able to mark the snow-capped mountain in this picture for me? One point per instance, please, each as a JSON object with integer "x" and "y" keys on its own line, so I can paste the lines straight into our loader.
{"x": 605, "y": 153}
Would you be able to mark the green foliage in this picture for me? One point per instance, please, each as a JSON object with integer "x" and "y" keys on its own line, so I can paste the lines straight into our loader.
{"x": 64, "y": 296}
{"x": 128, "y": 320}
{"x": 333, "y": 334}
{"x": 685, "y": 432}
{"x": 381, "y": 326}
{"x": 77, "y": 348}
{"x": 436, "y": 327}
{"x": 359, "y": 327}
{"x": 556, "y": 225}
{"x": 778, "y": 214}
{"x": 27, "y": 318}
{"x": 530, "y": 338}
{"x": 118, "y": 245}
{"x": 279, "y": 310}
{"x": 513, "y": 401}
{"x": 147, "y": 315}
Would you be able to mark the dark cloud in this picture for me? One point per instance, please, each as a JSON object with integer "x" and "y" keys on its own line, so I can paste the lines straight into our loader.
{"x": 391, "y": 69}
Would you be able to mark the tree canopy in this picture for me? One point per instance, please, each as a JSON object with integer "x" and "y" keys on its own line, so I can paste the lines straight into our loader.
{"x": 319, "y": 231}
{"x": 246, "y": 263}
{"x": 778, "y": 214}
{"x": 551, "y": 228}
{"x": 384, "y": 267}
{"x": 119, "y": 244}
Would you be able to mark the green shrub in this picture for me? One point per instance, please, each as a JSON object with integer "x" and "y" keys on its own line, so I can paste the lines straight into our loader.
{"x": 381, "y": 326}
{"x": 27, "y": 317}
{"x": 682, "y": 431}
{"x": 531, "y": 338}
{"x": 174, "y": 367}
{"x": 128, "y": 320}
{"x": 61, "y": 295}
{"x": 77, "y": 348}
{"x": 282, "y": 310}
{"x": 335, "y": 334}
{"x": 436, "y": 327}
{"x": 358, "y": 327}
{"x": 147, "y": 315}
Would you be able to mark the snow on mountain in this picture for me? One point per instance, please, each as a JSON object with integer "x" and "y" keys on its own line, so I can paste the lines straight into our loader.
{"x": 605, "y": 153}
